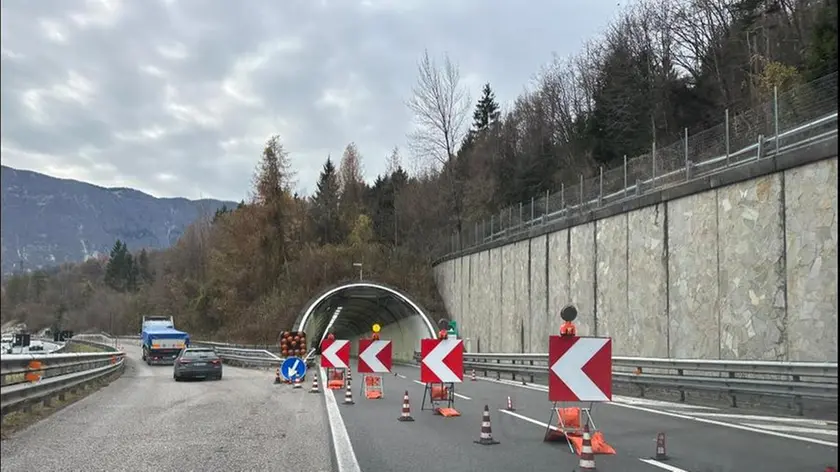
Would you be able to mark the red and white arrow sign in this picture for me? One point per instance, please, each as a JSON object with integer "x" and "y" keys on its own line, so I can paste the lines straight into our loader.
{"x": 374, "y": 356}
{"x": 580, "y": 369}
{"x": 441, "y": 360}
{"x": 335, "y": 354}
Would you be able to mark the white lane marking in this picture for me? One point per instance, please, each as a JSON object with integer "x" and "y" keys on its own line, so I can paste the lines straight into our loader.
{"x": 792, "y": 429}
{"x": 457, "y": 394}
{"x": 662, "y": 466}
{"x": 345, "y": 456}
{"x": 775, "y": 419}
{"x": 401, "y": 376}
{"x": 726, "y": 425}
{"x": 529, "y": 419}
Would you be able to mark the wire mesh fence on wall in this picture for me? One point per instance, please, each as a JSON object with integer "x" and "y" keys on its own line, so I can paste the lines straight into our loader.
{"x": 803, "y": 114}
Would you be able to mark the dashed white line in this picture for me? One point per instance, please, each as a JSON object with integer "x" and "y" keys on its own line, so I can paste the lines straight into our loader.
{"x": 464, "y": 397}
{"x": 345, "y": 456}
{"x": 662, "y": 465}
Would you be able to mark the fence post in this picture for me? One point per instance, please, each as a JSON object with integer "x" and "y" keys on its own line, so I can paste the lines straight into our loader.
{"x": 492, "y": 217}
{"x": 563, "y": 198}
{"x": 580, "y": 203}
{"x": 531, "y": 221}
{"x": 760, "y": 143}
{"x": 520, "y": 215}
{"x": 687, "y": 164}
{"x": 476, "y": 241}
{"x": 727, "y": 136}
{"x": 776, "y": 117}
{"x": 653, "y": 164}
{"x": 625, "y": 175}
{"x": 545, "y": 215}
{"x": 600, "y": 186}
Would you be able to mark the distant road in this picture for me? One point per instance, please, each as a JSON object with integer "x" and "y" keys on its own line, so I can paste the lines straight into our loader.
{"x": 145, "y": 421}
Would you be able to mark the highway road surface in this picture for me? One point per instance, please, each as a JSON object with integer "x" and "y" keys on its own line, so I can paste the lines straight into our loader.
{"x": 145, "y": 421}
{"x": 697, "y": 439}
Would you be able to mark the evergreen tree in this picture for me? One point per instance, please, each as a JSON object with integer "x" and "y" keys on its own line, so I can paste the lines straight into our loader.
{"x": 486, "y": 110}
{"x": 326, "y": 217}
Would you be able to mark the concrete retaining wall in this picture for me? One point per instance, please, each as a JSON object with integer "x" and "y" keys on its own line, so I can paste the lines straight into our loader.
{"x": 742, "y": 271}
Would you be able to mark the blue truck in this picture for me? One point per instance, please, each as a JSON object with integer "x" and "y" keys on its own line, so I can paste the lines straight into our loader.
{"x": 162, "y": 344}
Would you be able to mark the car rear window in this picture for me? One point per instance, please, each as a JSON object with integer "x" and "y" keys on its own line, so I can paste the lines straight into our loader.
{"x": 199, "y": 354}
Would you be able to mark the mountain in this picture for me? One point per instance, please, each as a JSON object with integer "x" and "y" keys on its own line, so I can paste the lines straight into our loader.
{"x": 48, "y": 221}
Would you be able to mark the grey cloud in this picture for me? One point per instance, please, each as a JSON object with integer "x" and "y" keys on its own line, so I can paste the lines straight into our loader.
{"x": 149, "y": 115}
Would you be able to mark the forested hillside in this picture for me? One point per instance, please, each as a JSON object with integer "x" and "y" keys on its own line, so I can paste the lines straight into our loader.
{"x": 663, "y": 66}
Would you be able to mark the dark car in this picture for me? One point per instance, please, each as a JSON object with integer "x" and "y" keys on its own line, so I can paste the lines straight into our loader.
{"x": 197, "y": 363}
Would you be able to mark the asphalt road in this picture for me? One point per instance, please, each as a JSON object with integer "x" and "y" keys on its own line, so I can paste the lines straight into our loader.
{"x": 145, "y": 421}
{"x": 433, "y": 443}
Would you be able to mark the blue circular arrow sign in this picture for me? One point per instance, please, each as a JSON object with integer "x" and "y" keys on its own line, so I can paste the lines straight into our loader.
{"x": 293, "y": 368}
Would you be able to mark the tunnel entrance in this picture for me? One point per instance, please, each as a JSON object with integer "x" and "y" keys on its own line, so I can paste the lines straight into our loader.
{"x": 349, "y": 310}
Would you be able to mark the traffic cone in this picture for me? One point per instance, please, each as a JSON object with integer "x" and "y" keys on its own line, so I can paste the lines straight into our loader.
{"x": 314, "y": 388}
{"x": 348, "y": 394}
{"x": 510, "y": 405}
{"x": 486, "y": 437}
{"x": 660, "y": 447}
{"x": 472, "y": 375}
{"x": 587, "y": 457}
{"x": 297, "y": 383}
{"x": 406, "y": 409}
{"x": 277, "y": 378}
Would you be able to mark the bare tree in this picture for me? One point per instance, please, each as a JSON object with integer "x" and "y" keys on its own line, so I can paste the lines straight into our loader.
{"x": 440, "y": 105}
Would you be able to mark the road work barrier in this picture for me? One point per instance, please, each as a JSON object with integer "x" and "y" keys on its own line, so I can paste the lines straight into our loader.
{"x": 797, "y": 381}
{"x": 29, "y": 379}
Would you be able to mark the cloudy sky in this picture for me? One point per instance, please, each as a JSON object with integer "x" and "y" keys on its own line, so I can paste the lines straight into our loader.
{"x": 177, "y": 97}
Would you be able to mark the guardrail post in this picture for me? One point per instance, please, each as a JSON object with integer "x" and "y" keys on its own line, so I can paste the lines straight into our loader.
{"x": 498, "y": 373}
{"x": 519, "y": 225}
{"x": 563, "y": 198}
{"x": 797, "y": 400}
{"x": 513, "y": 374}
{"x": 680, "y": 372}
{"x": 638, "y": 187}
{"x": 732, "y": 394}
{"x": 532, "y": 375}
{"x": 491, "y": 226}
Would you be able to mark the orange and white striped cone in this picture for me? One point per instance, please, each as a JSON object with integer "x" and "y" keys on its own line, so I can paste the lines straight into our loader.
{"x": 314, "y": 388}
{"x": 486, "y": 437}
{"x": 348, "y": 394}
{"x": 406, "y": 409}
{"x": 472, "y": 375}
{"x": 297, "y": 383}
{"x": 510, "y": 405}
{"x": 587, "y": 457}
{"x": 277, "y": 378}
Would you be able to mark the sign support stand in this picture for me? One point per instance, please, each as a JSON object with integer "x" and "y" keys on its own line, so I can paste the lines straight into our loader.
{"x": 565, "y": 429}
{"x": 373, "y": 386}
{"x": 444, "y": 393}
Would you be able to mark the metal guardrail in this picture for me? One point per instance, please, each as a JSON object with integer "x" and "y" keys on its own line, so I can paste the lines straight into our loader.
{"x": 794, "y": 380}
{"x": 27, "y": 379}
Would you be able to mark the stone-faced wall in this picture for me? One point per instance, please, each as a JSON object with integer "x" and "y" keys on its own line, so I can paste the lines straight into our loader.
{"x": 744, "y": 271}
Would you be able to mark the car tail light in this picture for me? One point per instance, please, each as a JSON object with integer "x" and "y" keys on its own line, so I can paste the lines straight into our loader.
{"x": 216, "y": 361}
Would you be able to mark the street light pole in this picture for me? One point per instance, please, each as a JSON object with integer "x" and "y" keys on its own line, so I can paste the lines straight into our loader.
{"x": 359, "y": 265}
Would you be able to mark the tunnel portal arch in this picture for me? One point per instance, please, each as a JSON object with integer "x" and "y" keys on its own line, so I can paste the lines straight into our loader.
{"x": 313, "y": 305}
